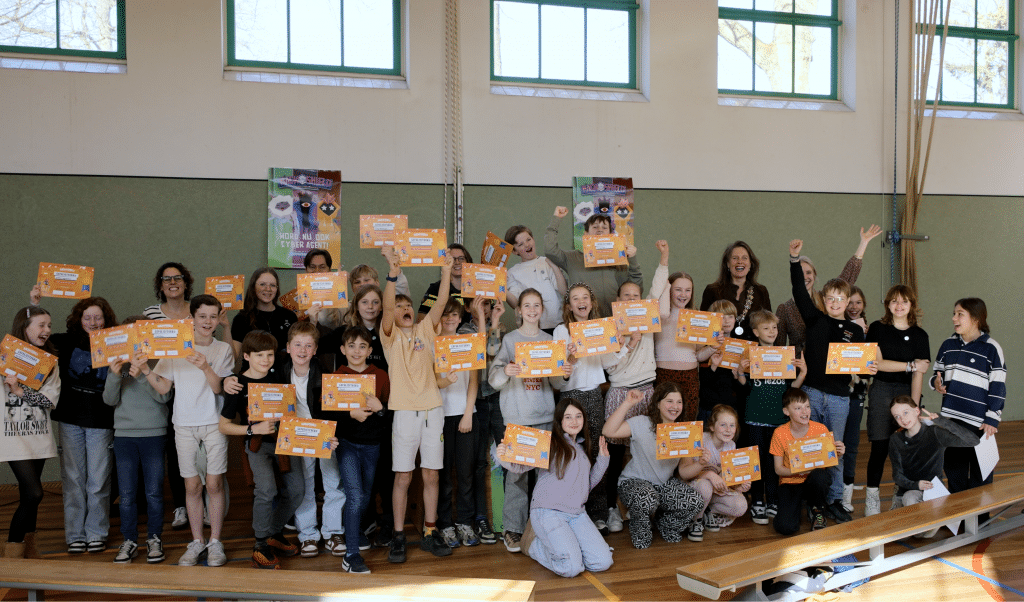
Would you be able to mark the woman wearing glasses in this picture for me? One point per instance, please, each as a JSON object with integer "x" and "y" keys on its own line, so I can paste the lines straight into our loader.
{"x": 173, "y": 287}
{"x": 260, "y": 311}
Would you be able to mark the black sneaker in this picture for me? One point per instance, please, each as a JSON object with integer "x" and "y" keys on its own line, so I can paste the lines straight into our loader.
{"x": 263, "y": 557}
{"x": 383, "y": 537}
{"x": 759, "y": 514}
{"x": 434, "y": 543}
{"x": 354, "y": 564}
{"x": 396, "y": 554}
{"x": 773, "y": 509}
{"x": 836, "y": 512}
{"x": 817, "y": 519}
{"x": 484, "y": 532}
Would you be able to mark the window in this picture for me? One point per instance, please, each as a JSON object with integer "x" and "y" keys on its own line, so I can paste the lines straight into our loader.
{"x": 354, "y": 36}
{"x": 567, "y": 42}
{"x": 80, "y": 28}
{"x": 978, "y": 66}
{"x": 786, "y": 48}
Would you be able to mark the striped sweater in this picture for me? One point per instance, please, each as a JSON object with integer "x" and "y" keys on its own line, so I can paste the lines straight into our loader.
{"x": 974, "y": 375}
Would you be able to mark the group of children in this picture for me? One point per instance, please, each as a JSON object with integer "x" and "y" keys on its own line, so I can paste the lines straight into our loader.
{"x": 596, "y": 408}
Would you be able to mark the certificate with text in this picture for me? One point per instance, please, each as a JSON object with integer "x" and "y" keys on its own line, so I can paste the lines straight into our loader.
{"x": 457, "y": 352}
{"x": 165, "y": 338}
{"x": 602, "y": 251}
{"x": 487, "y": 281}
{"x": 594, "y": 337}
{"x": 227, "y": 289}
{"x": 772, "y": 362}
{"x": 741, "y": 466}
{"x": 637, "y": 316}
{"x": 526, "y": 446}
{"x": 679, "y": 440}
{"x": 27, "y": 363}
{"x": 270, "y": 402}
{"x": 347, "y": 392}
{"x": 812, "y": 452}
{"x": 698, "y": 327}
{"x": 734, "y": 351}
{"x": 495, "y": 251}
{"x": 307, "y": 438}
{"x": 540, "y": 359}
{"x": 418, "y": 247}
{"x": 112, "y": 345}
{"x": 850, "y": 358}
{"x": 329, "y": 289}
{"x": 290, "y": 300}
{"x": 380, "y": 230}
{"x": 65, "y": 281}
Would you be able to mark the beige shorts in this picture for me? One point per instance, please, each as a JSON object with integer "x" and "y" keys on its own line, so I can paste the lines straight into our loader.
{"x": 188, "y": 438}
{"x": 417, "y": 431}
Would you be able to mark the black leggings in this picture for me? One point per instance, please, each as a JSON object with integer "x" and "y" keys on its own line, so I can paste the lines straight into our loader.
{"x": 876, "y": 461}
{"x": 30, "y": 489}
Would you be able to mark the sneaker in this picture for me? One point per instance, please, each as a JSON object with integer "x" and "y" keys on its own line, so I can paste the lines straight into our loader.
{"x": 370, "y": 529}
{"x": 154, "y": 550}
{"x": 96, "y": 546}
{"x": 602, "y": 527}
{"x": 354, "y": 564}
{"x": 364, "y": 542}
{"x": 281, "y": 545}
{"x": 194, "y": 553}
{"x": 396, "y": 554}
{"x": 484, "y": 531}
{"x": 836, "y": 512}
{"x": 467, "y": 536}
{"x": 848, "y": 497}
{"x": 614, "y": 520}
{"x": 712, "y": 522}
{"x": 772, "y": 510}
{"x": 263, "y": 557}
{"x": 759, "y": 513}
{"x": 696, "y": 532}
{"x": 435, "y": 543}
{"x": 382, "y": 538}
{"x": 309, "y": 549}
{"x": 817, "y": 519}
{"x": 76, "y": 547}
{"x": 451, "y": 539}
{"x": 128, "y": 550}
{"x": 215, "y": 555}
{"x": 290, "y": 525}
{"x": 872, "y": 503}
{"x": 180, "y": 518}
{"x": 512, "y": 540}
{"x": 336, "y": 545}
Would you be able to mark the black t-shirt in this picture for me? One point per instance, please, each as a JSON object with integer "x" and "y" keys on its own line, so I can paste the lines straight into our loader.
{"x": 331, "y": 343}
{"x": 431, "y": 296}
{"x": 899, "y": 346}
{"x": 238, "y": 403}
{"x": 275, "y": 322}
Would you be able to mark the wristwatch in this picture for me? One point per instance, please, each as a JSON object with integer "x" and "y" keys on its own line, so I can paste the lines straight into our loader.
{"x": 248, "y": 431}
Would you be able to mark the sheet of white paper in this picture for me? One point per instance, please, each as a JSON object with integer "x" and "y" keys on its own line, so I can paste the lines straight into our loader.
{"x": 938, "y": 490}
{"x": 988, "y": 455}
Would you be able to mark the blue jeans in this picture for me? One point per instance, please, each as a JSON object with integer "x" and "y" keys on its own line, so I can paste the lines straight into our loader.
{"x": 85, "y": 464}
{"x": 356, "y": 463}
{"x": 568, "y": 544}
{"x": 831, "y": 410}
{"x": 334, "y": 500}
{"x": 147, "y": 453}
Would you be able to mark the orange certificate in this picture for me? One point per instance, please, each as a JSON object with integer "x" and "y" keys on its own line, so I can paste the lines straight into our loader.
{"x": 495, "y": 251}
{"x": 165, "y": 338}
{"x": 701, "y": 327}
{"x": 227, "y": 289}
{"x": 594, "y": 337}
{"x": 421, "y": 247}
{"x": 290, "y": 300}
{"x": 637, "y": 316}
{"x": 601, "y": 251}
{"x": 307, "y": 438}
{"x": 850, "y": 358}
{"x": 734, "y": 351}
{"x": 329, "y": 289}
{"x": 812, "y": 452}
{"x": 679, "y": 439}
{"x": 27, "y": 363}
{"x": 544, "y": 358}
{"x": 772, "y": 362}
{"x": 380, "y": 230}
{"x": 741, "y": 466}
{"x": 270, "y": 402}
{"x": 112, "y": 345}
{"x": 65, "y": 281}
{"x": 456, "y": 352}
{"x": 526, "y": 446}
{"x": 347, "y": 392}
{"x": 479, "y": 280}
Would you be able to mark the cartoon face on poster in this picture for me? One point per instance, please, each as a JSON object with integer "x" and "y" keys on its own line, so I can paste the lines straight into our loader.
{"x": 303, "y": 213}
{"x": 612, "y": 197}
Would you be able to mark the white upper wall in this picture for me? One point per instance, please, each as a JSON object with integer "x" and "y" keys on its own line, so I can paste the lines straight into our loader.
{"x": 174, "y": 114}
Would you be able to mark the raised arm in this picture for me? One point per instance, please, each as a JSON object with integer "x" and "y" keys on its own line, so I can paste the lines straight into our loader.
{"x": 616, "y": 426}
{"x": 796, "y": 277}
{"x": 434, "y": 315}
{"x": 551, "y": 249}
{"x": 659, "y": 285}
{"x": 387, "y": 317}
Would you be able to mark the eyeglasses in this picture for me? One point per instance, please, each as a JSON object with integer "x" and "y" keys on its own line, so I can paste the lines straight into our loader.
{"x": 456, "y": 259}
{"x": 831, "y": 299}
{"x": 175, "y": 278}
{"x": 266, "y": 286}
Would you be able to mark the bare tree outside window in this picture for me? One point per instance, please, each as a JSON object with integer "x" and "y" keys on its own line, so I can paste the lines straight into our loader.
{"x": 61, "y": 25}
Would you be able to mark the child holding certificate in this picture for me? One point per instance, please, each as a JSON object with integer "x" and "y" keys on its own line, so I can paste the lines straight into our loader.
{"x": 560, "y": 535}
{"x": 585, "y": 382}
{"x": 534, "y": 272}
{"x": 718, "y": 384}
{"x": 798, "y": 486}
{"x": 677, "y": 362}
{"x": 26, "y": 450}
{"x": 649, "y": 485}
{"x": 722, "y": 503}
{"x": 524, "y": 401}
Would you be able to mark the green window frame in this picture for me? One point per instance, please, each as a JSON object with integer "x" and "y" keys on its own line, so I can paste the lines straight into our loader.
{"x": 628, "y": 7}
{"x": 62, "y": 38}
{"x": 730, "y": 18}
{"x": 289, "y": 63}
{"x": 979, "y": 40}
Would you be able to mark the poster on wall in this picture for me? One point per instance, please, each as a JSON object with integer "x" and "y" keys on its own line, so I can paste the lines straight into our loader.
{"x": 304, "y": 213}
{"x": 602, "y": 196}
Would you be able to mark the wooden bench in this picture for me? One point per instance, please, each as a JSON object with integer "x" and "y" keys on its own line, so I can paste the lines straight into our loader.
{"x": 755, "y": 566}
{"x": 245, "y": 583}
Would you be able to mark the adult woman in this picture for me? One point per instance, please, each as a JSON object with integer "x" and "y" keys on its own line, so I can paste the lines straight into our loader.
{"x": 791, "y": 326}
{"x": 648, "y": 485}
{"x": 260, "y": 311}
{"x": 25, "y": 448}
{"x": 970, "y": 373}
{"x": 737, "y": 283}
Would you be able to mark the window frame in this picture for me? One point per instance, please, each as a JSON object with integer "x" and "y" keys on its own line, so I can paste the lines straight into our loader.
{"x": 1010, "y": 37}
{"x": 631, "y": 7}
{"x": 119, "y": 54}
{"x": 793, "y": 19}
{"x": 232, "y": 61}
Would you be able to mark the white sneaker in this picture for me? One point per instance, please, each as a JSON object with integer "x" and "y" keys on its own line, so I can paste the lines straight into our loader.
{"x": 215, "y": 555}
{"x": 872, "y": 505}
{"x": 614, "y": 520}
{"x": 180, "y": 518}
{"x": 154, "y": 550}
{"x": 848, "y": 497}
{"x": 451, "y": 539}
{"x": 712, "y": 522}
{"x": 128, "y": 550}
{"x": 195, "y": 552}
